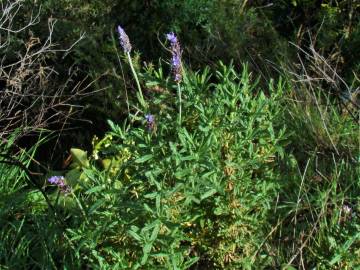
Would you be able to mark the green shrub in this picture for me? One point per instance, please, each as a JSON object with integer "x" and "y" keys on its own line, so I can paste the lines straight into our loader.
{"x": 247, "y": 178}
{"x": 227, "y": 188}
{"x": 173, "y": 195}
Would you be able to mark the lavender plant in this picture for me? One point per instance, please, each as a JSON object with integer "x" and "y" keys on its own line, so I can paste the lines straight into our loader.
{"x": 205, "y": 195}
{"x": 192, "y": 193}
{"x": 150, "y": 122}
{"x": 59, "y": 181}
{"x": 124, "y": 40}
{"x": 176, "y": 66}
{"x": 215, "y": 192}
{"x": 126, "y": 46}
{"x": 176, "y": 57}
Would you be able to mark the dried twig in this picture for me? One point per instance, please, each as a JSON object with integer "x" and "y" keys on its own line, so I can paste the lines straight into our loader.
{"x": 31, "y": 95}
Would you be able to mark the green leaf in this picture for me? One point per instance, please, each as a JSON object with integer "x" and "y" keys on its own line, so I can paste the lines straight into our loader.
{"x": 80, "y": 157}
{"x": 146, "y": 254}
{"x": 192, "y": 157}
{"x": 190, "y": 262}
{"x": 158, "y": 204}
{"x": 144, "y": 158}
{"x": 96, "y": 205}
{"x": 155, "y": 232}
{"x": 135, "y": 236}
{"x": 147, "y": 248}
{"x": 218, "y": 211}
{"x": 208, "y": 194}
{"x": 147, "y": 208}
{"x": 96, "y": 189}
{"x": 182, "y": 173}
{"x": 151, "y": 195}
{"x": 72, "y": 177}
{"x": 160, "y": 255}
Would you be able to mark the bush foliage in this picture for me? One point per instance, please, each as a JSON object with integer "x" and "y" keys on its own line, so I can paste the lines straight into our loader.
{"x": 227, "y": 169}
{"x": 220, "y": 190}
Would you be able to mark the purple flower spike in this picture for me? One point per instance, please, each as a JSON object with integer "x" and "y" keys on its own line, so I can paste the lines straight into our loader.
{"x": 150, "y": 122}
{"x": 149, "y": 118}
{"x": 55, "y": 180}
{"x": 60, "y": 182}
{"x": 124, "y": 40}
{"x": 176, "y": 57}
{"x": 171, "y": 37}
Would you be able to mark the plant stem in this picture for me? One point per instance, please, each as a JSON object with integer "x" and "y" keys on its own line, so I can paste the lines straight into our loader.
{"x": 179, "y": 96}
{"x": 140, "y": 94}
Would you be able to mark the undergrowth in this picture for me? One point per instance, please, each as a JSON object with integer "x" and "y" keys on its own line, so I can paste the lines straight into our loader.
{"x": 243, "y": 181}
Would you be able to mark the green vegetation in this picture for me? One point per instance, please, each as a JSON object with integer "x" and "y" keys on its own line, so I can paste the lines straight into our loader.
{"x": 241, "y": 151}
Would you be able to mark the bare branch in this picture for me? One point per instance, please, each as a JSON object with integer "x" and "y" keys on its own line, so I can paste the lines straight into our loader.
{"x": 31, "y": 95}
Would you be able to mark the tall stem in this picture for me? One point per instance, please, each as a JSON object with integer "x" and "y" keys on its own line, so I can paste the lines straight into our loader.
{"x": 179, "y": 96}
{"x": 140, "y": 94}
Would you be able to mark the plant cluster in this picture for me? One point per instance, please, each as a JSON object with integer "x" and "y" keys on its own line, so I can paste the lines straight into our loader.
{"x": 212, "y": 169}
{"x": 199, "y": 191}
{"x": 218, "y": 190}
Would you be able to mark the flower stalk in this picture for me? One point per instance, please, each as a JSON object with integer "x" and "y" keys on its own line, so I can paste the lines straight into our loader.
{"x": 176, "y": 66}
{"x": 179, "y": 97}
{"x": 126, "y": 45}
{"x": 139, "y": 95}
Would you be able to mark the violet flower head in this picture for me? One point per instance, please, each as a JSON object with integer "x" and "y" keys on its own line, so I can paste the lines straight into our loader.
{"x": 150, "y": 122}
{"x": 60, "y": 182}
{"x": 55, "y": 180}
{"x": 176, "y": 57}
{"x": 171, "y": 37}
{"x": 124, "y": 40}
